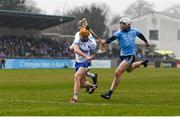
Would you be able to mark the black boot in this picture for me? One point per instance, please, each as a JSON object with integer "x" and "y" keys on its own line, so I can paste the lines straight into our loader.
{"x": 107, "y": 95}
{"x": 145, "y": 63}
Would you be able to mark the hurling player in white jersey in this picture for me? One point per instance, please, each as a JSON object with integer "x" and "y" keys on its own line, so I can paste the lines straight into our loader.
{"x": 89, "y": 74}
{"x": 82, "y": 49}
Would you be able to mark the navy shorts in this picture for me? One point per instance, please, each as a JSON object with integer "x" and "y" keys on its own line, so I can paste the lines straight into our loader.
{"x": 85, "y": 64}
{"x": 130, "y": 59}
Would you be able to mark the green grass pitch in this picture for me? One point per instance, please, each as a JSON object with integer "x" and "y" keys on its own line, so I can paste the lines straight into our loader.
{"x": 146, "y": 91}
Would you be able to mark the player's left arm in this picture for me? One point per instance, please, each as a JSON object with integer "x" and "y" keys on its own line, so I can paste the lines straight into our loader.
{"x": 142, "y": 37}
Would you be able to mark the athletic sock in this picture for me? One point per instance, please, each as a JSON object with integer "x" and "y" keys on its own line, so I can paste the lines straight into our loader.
{"x": 90, "y": 74}
{"x": 75, "y": 96}
{"x": 110, "y": 92}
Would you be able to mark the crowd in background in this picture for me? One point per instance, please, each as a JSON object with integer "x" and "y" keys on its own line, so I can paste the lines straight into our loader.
{"x": 26, "y": 47}
{"x": 29, "y": 47}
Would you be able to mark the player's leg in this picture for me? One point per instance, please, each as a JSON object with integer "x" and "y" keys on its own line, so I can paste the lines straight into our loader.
{"x": 124, "y": 65}
{"x": 0, "y": 64}
{"x": 93, "y": 76}
{"x": 87, "y": 88}
{"x": 137, "y": 64}
{"x": 77, "y": 83}
{"x": 119, "y": 71}
{"x": 86, "y": 84}
{"x": 4, "y": 64}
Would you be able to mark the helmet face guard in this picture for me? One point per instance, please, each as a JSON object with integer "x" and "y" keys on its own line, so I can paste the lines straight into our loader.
{"x": 124, "y": 27}
{"x": 80, "y": 24}
{"x": 125, "y": 24}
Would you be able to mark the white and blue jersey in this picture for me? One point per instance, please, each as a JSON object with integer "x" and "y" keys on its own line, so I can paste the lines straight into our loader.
{"x": 86, "y": 48}
{"x": 126, "y": 41}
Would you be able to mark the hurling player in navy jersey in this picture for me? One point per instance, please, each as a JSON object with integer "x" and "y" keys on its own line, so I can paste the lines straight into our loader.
{"x": 126, "y": 36}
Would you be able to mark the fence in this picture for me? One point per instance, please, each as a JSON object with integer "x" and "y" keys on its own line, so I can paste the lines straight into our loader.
{"x": 50, "y": 63}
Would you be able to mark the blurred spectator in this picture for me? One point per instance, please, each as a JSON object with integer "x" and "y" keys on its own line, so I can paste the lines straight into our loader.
{"x": 14, "y": 46}
{"x": 2, "y": 60}
{"x": 140, "y": 55}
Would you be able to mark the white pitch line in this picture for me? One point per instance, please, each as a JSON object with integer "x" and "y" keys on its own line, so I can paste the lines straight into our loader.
{"x": 84, "y": 103}
{"x": 145, "y": 91}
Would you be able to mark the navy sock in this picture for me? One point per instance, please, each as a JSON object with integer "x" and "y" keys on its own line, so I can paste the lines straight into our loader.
{"x": 110, "y": 92}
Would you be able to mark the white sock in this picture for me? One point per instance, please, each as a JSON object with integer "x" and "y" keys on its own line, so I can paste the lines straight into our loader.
{"x": 90, "y": 74}
{"x": 75, "y": 96}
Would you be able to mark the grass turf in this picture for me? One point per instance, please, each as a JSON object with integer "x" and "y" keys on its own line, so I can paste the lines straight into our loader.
{"x": 48, "y": 92}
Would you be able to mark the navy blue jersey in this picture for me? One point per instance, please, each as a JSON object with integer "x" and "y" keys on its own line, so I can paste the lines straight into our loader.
{"x": 126, "y": 41}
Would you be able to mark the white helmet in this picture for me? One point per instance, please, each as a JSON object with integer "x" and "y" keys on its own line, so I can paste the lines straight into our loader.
{"x": 125, "y": 20}
{"x": 80, "y": 23}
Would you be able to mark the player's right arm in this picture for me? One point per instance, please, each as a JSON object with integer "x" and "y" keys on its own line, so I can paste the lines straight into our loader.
{"x": 71, "y": 48}
{"x": 109, "y": 40}
{"x": 76, "y": 37}
{"x": 112, "y": 38}
{"x": 79, "y": 52}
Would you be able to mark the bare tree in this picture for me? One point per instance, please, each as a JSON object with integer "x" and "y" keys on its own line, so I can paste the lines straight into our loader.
{"x": 139, "y": 8}
{"x": 95, "y": 14}
{"x": 19, "y": 5}
{"x": 173, "y": 10}
{"x": 115, "y": 19}
{"x": 32, "y": 7}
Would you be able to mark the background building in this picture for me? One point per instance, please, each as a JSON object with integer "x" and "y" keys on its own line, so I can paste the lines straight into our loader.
{"x": 161, "y": 30}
